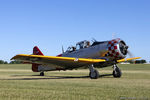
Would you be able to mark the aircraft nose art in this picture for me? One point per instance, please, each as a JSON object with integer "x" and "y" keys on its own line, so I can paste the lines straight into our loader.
{"x": 114, "y": 49}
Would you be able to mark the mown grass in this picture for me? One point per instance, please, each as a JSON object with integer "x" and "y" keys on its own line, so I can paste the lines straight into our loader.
{"x": 18, "y": 82}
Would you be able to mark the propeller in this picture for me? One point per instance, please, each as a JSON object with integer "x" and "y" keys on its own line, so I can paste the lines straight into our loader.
{"x": 130, "y": 54}
{"x": 125, "y": 50}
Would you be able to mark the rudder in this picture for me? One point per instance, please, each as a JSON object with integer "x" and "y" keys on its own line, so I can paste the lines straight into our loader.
{"x": 36, "y": 51}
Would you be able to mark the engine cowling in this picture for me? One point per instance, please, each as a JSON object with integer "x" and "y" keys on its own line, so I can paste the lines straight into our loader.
{"x": 117, "y": 49}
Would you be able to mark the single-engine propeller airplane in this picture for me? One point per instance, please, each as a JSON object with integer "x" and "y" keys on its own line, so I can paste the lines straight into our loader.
{"x": 98, "y": 54}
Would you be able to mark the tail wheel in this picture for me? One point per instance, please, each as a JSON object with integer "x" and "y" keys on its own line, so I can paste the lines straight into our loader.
{"x": 42, "y": 74}
{"x": 94, "y": 74}
{"x": 117, "y": 72}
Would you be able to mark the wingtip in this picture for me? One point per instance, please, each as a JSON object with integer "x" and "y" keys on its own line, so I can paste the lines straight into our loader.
{"x": 13, "y": 58}
{"x": 123, "y": 60}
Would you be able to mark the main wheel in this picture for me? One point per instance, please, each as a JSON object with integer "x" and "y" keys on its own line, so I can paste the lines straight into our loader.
{"x": 94, "y": 74}
{"x": 42, "y": 74}
{"x": 117, "y": 72}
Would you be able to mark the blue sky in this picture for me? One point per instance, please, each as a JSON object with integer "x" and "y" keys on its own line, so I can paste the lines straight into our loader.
{"x": 50, "y": 24}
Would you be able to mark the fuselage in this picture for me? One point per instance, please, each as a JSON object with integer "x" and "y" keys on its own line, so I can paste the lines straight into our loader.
{"x": 109, "y": 50}
{"x": 91, "y": 52}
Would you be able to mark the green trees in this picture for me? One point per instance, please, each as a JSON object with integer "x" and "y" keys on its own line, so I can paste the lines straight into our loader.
{"x": 3, "y": 62}
{"x": 12, "y": 62}
{"x": 15, "y": 62}
{"x": 137, "y": 61}
{"x": 140, "y": 61}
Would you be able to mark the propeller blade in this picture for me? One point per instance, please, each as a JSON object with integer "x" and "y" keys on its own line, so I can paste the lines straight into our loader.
{"x": 130, "y": 54}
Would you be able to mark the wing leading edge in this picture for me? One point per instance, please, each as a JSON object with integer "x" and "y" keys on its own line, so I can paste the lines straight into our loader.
{"x": 128, "y": 59}
{"x": 61, "y": 61}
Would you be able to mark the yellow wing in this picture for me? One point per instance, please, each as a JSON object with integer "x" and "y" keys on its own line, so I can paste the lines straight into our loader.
{"x": 128, "y": 59}
{"x": 60, "y": 61}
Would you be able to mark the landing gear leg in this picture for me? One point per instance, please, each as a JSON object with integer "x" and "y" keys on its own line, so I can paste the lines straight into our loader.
{"x": 94, "y": 74}
{"x": 116, "y": 71}
{"x": 42, "y": 74}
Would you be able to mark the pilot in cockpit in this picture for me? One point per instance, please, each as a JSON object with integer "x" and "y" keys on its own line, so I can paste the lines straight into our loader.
{"x": 87, "y": 44}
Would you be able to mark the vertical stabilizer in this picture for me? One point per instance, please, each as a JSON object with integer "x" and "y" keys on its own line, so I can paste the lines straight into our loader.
{"x": 36, "y": 51}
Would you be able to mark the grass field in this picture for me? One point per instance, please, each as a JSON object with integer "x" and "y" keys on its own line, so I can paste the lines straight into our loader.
{"x": 18, "y": 82}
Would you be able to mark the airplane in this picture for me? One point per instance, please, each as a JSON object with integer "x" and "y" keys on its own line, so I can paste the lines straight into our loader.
{"x": 98, "y": 54}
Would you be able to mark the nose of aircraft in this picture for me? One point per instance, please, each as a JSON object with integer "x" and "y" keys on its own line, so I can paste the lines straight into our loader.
{"x": 117, "y": 49}
{"x": 123, "y": 48}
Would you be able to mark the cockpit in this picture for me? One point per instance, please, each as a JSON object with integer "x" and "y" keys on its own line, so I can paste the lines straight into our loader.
{"x": 82, "y": 44}
{"x": 71, "y": 49}
{"x": 79, "y": 45}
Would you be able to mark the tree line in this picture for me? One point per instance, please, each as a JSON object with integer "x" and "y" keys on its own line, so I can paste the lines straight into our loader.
{"x": 140, "y": 61}
{"x": 137, "y": 61}
{"x": 12, "y": 62}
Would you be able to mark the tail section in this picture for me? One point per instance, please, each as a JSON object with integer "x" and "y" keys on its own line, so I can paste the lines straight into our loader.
{"x": 36, "y": 51}
{"x": 35, "y": 67}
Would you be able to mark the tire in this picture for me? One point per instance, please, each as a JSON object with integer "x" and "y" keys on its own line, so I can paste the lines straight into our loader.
{"x": 42, "y": 74}
{"x": 117, "y": 73}
{"x": 94, "y": 75}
